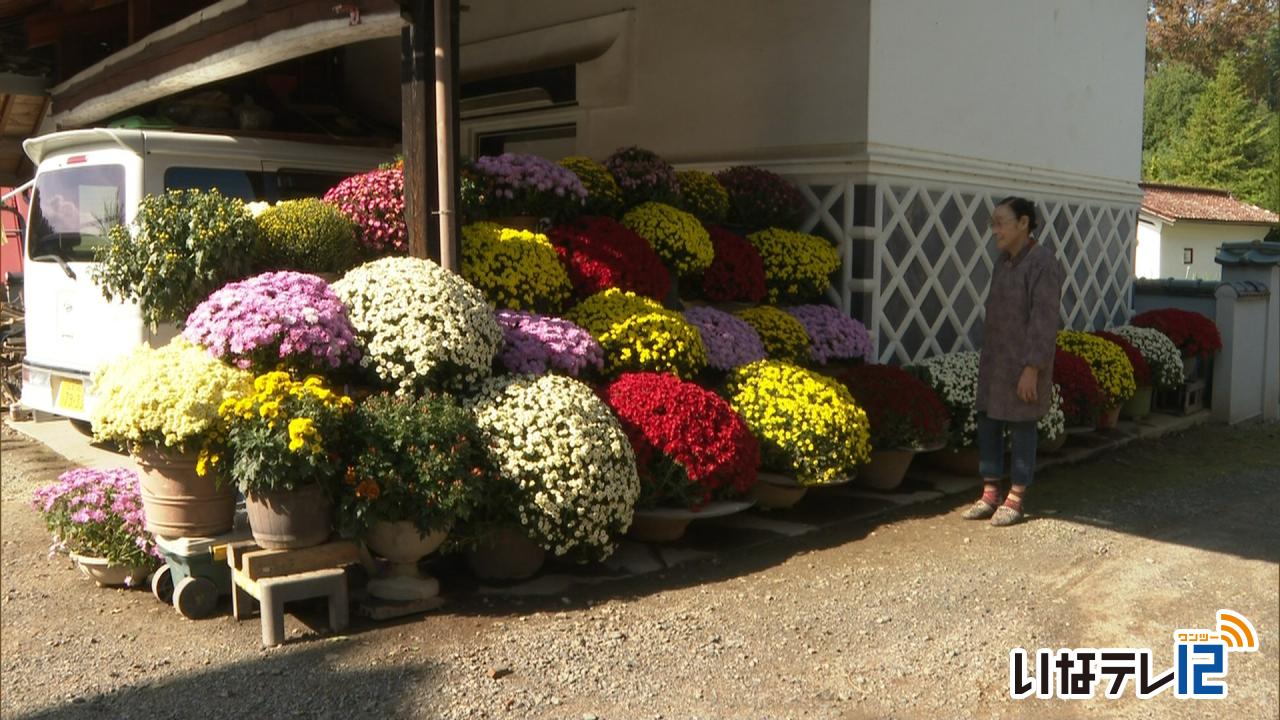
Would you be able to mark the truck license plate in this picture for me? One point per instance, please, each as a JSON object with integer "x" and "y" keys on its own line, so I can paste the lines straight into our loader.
{"x": 71, "y": 395}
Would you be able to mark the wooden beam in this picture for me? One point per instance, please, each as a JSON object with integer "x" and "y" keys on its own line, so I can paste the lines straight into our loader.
{"x": 6, "y": 107}
{"x": 208, "y": 48}
{"x": 418, "y": 122}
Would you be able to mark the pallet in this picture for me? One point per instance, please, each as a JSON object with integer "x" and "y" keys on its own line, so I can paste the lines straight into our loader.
{"x": 274, "y": 577}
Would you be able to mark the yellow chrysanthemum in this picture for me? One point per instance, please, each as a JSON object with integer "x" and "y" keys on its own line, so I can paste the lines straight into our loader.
{"x": 516, "y": 269}
{"x": 1110, "y": 365}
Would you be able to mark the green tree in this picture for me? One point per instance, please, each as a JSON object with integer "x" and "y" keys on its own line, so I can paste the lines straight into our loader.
{"x": 1170, "y": 96}
{"x": 1228, "y": 142}
{"x": 1200, "y": 33}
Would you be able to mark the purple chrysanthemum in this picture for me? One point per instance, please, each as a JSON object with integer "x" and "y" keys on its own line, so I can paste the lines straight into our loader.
{"x": 536, "y": 344}
{"x": 833, "y": 335}
{"x": 730, "y": 341}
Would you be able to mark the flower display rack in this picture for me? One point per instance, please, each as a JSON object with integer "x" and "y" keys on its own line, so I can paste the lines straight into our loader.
{"x": 274, "y": 577}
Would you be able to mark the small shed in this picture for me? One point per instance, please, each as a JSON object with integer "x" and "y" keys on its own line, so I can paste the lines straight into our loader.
{"x": 1181, "y": 229}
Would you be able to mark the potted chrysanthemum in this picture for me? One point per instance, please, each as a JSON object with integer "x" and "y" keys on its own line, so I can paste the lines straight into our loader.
{"x": 280, "y": 444}
{"x": 537, "y": 344}
{"x": 811, "y": 431}
{"x": 1163, "y": 359}
{"x": 566, "y": 476}
{"x": 691, "y": 449}
{"x": 1111, "y": 368}
{"x": 162, "y": 405}
{"x": 515, "y": 269}
{"x": 520, "y": 190}
{"x": 96, "y": 516}
{"x": 416, "y": 467}
{"x": 637, "y": 333}
{"x": 905, "y": 415}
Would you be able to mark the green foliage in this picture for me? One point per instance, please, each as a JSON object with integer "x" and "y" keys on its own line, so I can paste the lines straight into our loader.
{"x": 414, "y": 459}
{"x": 1170, "y": 96}
{"x": 307, "y": 235}
{"x": 1228, "y": 142}
{"x": 1201, "y": 33}
{"x": 182, "y": 246}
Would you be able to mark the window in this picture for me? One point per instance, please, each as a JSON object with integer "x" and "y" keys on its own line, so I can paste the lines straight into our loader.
{"x": 248, "y": 185}
{"x": 552, "y": 142}
{"x": 294, "y": 184}
{"x": 1187, "y": 256}
{"x": 71, "y": 211}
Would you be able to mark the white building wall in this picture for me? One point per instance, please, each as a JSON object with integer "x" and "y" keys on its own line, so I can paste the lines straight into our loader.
{"x": 1050, "y": 84}
{"x": 1147, "y": 263}
{"x": 1203, "y": 239}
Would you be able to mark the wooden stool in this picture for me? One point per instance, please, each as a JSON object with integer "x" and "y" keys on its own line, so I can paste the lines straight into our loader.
{"x": 274, "y": 577}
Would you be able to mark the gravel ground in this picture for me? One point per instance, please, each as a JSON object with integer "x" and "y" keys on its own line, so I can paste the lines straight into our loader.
{"x": 910, "y": 616}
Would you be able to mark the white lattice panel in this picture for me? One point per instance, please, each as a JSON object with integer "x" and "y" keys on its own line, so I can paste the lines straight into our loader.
{"x": 916, "y": 269}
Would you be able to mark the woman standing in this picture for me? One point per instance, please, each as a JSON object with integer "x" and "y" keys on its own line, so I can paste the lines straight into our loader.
{"x": 1015, "y": 373}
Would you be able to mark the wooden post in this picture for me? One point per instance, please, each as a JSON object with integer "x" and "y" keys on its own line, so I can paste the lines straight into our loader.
{"x": 417, "y": 116}
{"x": 446, "y": 130}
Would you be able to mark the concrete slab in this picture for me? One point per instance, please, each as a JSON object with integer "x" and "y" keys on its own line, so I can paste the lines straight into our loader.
{"x": 71, "y": 443}
{"x": 758, "y": 522}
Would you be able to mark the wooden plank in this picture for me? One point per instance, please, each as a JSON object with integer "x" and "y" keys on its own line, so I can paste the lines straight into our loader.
{"x": 6, "y": 107}
{"x": 418, "y": 122}
{"x": 258, "y": 564}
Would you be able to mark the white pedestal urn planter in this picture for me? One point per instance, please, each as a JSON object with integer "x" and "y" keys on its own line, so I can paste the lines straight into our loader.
{"x": 402, "y": 544}
{"x": 108, "y": 574}
{"x": 886, "y": 469}
{"x": 506, "y": 553}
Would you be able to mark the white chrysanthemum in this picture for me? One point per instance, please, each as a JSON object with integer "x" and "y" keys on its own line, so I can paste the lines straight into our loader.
{"x": 568, "y": 456}
{"x": 1158, "y": 350}
{"x": 954, "y": 376}
{"x": 420, "y": 326}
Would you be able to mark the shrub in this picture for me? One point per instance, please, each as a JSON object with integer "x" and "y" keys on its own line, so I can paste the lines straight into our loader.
{"x": 418, "y": 460}
{"x": 903, "y": 411}
{"x": 807, "y": 424}
{"x": 760, "y": 199}
{"x": 637, "y": 333}
{"x": 374, "y": 201}
{"x": 279, "y": 317}
{"x": 515, "y": 269}
{"x": 419, "y": 326}
{"x": 690, "y": 446}
{"x": 98, "y": 513}
{"x": 181, "y": 246}
{"x": 730, "y": 341}
{"x": 566, "y": 471}
{"x": 643, "y": 177}
{"x": 604, "y": 197}
{"x": 797, "y": 266}
{"x": 833, "y": 334}
{"x": 783, "y": 336}
{"x": 677, "y": 237}
{"x": 600, "y": 253}
{"x": 307, "y": 235}
{"x": 702, "y": 196}
{"x": 167, "y": 396}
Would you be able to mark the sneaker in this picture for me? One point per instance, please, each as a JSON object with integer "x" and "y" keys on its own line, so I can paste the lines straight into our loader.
{"x": 1006, "y": 516}
{"x": 980, "y": 510}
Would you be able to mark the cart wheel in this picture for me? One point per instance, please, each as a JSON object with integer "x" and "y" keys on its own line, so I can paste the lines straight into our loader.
{"x": 195, "y": 597}
{"x": 162, "y": 584}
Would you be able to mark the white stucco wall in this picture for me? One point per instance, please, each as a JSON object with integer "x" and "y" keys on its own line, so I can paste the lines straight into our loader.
{"x": 711, "y": 79}
{"x": 1147, "y": 261}
{"x": 1051, "y": 84}
{"x": 1204, "y": 239}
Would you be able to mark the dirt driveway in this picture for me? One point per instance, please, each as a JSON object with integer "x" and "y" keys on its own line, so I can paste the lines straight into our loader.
{"x": 911, "y": 615}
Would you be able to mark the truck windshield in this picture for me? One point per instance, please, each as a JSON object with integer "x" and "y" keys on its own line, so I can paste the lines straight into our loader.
{"x": 71, "y": 211}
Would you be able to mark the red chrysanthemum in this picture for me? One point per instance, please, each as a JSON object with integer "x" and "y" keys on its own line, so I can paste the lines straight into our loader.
{"x": 600, "y": 253}
{"x": 1082, "y": 398}
{"x": 737, "y": 272}
{"x": 902, "y": 410}
{"x": 678, "y": 425}
{"x": 1141, "y": 370}
{"x": 1193, "y": 333}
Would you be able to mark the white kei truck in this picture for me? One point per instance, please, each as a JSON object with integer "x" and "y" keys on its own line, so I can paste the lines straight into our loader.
{"x": 85, "y": 181}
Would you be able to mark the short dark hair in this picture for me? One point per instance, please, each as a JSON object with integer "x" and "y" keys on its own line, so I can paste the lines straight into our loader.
{"x": 1022, "y": 208}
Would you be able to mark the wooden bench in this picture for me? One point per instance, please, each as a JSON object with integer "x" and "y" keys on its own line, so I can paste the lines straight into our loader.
{"x": 274, "y": 577}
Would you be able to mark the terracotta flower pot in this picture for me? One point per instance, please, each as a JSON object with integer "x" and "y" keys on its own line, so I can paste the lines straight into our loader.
{"x": 962, "y": 462}
{"x": 177, "y": 501}
{"x": 653, "y": 527}
{"x": 108, "y": 574}
{"x": 402, "y": 544}
{"x": 774, "y": 491}
{"x": 1109, "y": 418}
{"x": 506, "y": 553}
{"x": 886, "y": 469}
{"x": 1138, "y": 406}
{"x": 288, "y": 519}
{"x": 1054, "y": 444}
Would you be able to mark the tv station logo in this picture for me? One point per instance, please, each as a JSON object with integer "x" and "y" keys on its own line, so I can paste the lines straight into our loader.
{"x": 1199, "y": 671}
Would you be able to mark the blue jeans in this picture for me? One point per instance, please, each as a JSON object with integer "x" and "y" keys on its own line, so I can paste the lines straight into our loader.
{"x": 991, "y": 448}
